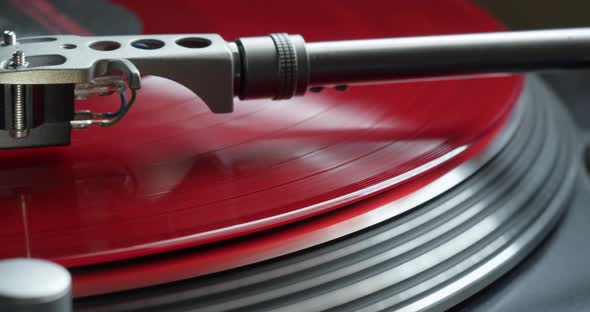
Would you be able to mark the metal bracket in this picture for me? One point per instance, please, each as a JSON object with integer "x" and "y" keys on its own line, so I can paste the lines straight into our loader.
{"x": 202, "y": 63}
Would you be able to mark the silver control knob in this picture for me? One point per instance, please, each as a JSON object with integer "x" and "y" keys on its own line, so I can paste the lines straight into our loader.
{"x": 34, "y": 285}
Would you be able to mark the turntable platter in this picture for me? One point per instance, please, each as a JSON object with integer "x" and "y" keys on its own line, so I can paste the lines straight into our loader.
{"x": 173, "y": 175}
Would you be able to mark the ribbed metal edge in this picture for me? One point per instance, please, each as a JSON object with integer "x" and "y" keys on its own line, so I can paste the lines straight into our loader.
{"x": 287, "y": 64}
{"x": 429, "y": 258}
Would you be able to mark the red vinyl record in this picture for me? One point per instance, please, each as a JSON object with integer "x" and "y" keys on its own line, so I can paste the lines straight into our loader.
{"x": 174, "y": 175}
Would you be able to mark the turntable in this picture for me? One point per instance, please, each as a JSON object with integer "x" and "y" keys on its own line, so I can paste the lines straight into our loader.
{"x": 133, "y": 180}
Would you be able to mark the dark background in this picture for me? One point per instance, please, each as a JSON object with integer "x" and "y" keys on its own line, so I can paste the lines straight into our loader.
{"x": 531, "y": 14}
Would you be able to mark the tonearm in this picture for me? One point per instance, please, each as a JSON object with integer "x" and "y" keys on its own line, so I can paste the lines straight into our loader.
{"x": 41, "y": 78}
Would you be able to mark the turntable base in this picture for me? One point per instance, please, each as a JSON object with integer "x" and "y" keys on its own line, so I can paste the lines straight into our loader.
{"x": 429, "y": 258}
{"x": 428, "y": 243}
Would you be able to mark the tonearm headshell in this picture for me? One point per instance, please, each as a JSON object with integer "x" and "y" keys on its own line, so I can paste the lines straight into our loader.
{"x": 42, "y": 78}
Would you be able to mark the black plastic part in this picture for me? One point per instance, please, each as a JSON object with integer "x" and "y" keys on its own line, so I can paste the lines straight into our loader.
{"x": 33, "y": 107}
{"x": 49, "y": 110}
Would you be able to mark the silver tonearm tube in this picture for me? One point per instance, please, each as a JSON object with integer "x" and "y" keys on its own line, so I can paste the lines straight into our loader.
{"x": 59, "y": 69}
{"x": 401, "y": 59}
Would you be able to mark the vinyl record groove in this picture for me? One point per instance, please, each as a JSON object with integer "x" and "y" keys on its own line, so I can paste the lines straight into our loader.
{"x": 428, "y": 258}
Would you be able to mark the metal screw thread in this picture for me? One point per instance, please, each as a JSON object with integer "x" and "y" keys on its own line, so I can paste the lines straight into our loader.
{"x": 18, "y": 108}
{"x": 18, "y": 58}
{"x": 9, "y": 37}
{"x": 18, "y": 114}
